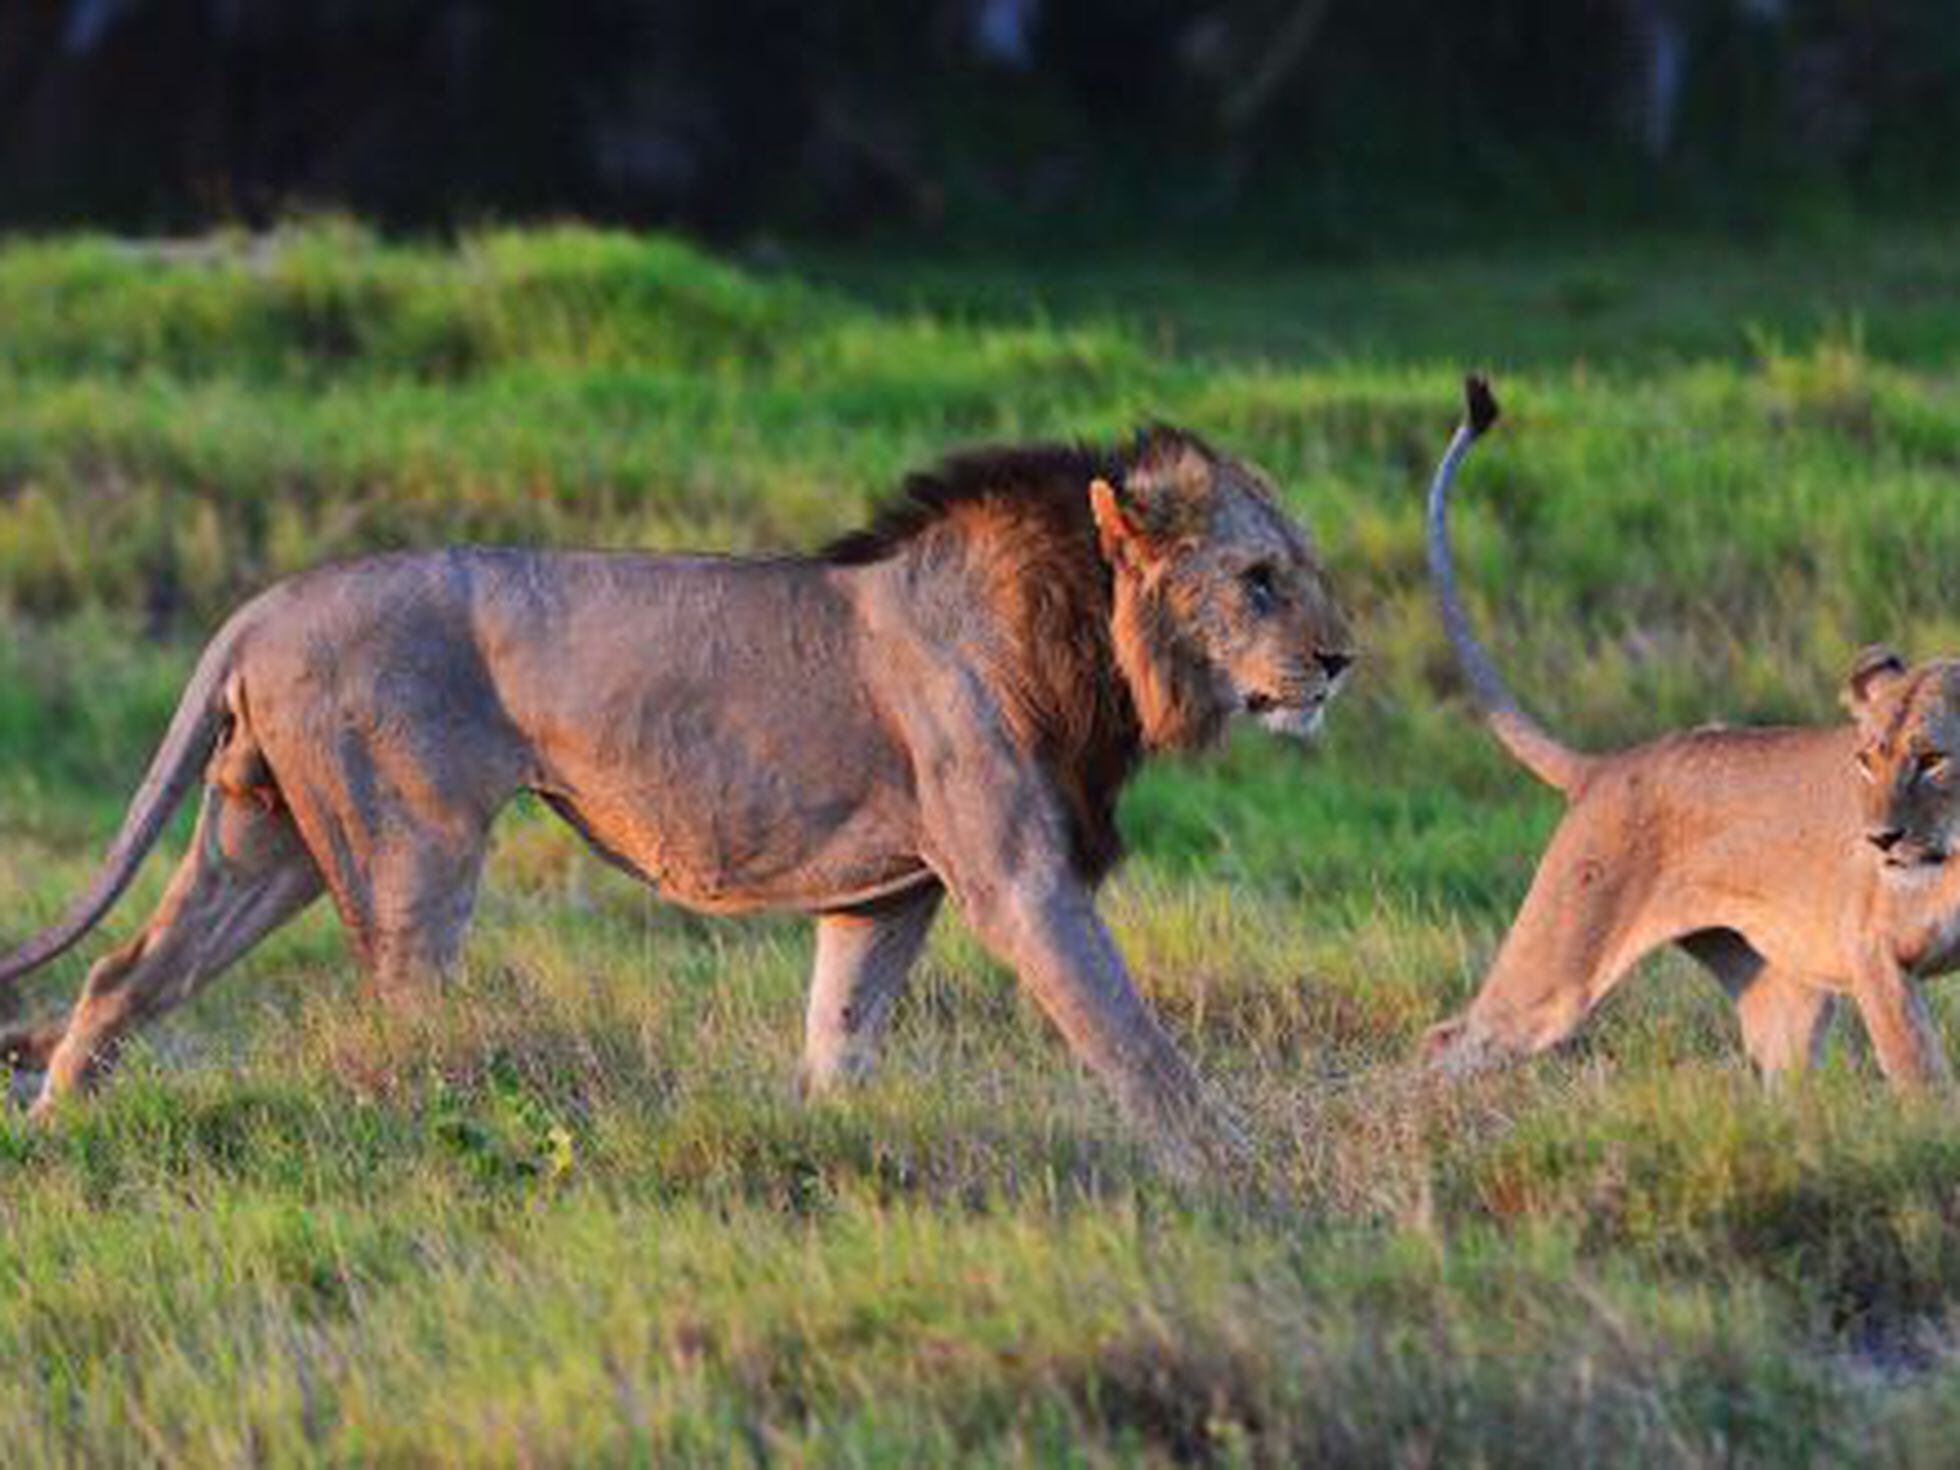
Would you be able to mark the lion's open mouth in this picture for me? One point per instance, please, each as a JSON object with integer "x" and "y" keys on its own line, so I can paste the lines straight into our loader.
{"x": 1299, "y": 719}
{"x": 1918, "y": 858}
{"x": 1296, "y": 713}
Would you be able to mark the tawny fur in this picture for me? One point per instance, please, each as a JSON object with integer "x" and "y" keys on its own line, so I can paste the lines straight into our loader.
{"x": 948, "y": 702}
{"x": 1796, "y": 865}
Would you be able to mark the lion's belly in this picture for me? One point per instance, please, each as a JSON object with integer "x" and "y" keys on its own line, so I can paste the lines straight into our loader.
{"x": 704, "y": 725}
{"x": 729, "y": 851}
{"x": 726, "y": 805}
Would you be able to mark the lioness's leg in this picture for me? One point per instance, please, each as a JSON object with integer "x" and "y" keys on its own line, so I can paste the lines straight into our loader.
{"x": 245, "y": 874}
{"x": 1581, "y": 928}
{"x": 1785, "y": 1022}
{"x": 1903, "y": 1034}
{"x": 1784, "y": 1019}
{"x": 862, "y": 962}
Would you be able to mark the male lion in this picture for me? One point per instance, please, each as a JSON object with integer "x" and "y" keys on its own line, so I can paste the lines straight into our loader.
{"x": 1795, "y": 864}
{"x": 949, "y": 700}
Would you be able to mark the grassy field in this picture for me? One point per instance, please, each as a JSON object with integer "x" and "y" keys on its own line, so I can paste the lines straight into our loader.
{"x": 577, "y": 1217}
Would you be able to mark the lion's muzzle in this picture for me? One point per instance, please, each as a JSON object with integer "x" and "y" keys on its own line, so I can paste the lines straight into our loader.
{"x": 1298, "y": 711}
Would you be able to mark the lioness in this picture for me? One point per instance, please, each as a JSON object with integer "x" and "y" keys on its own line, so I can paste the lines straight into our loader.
{"x": 949, "y": 700}
{"x": 1795, "y": 864}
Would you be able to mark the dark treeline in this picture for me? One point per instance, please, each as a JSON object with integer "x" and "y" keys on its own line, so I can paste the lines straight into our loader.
{"x": 738, "y": 115}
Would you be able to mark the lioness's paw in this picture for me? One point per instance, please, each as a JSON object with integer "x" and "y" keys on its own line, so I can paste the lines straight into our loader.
{"x": 1456, "y": 1048}
{"x": 1440, "y": 1040}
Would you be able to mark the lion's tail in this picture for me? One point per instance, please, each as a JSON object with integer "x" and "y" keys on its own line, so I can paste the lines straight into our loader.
{"x": 1530, "y": 743}
{"x": 176, "y": 767}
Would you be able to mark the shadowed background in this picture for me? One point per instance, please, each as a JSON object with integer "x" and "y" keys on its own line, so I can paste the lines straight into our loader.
{"x": 1326, "y": 118}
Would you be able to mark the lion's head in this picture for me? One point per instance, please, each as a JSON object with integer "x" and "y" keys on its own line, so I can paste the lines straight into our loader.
{"x": 1221, "y": 605}
{"x": 1909, "y": 756}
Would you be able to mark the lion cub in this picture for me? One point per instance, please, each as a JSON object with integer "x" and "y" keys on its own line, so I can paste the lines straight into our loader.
{"x": 1795, "y": 864}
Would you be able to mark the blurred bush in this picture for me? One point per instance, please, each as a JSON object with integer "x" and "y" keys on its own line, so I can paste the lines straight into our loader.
{"x": 1014, "y": 115}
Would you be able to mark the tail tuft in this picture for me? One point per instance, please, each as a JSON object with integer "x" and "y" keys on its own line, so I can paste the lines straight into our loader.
{"x": 1479, "y": 404}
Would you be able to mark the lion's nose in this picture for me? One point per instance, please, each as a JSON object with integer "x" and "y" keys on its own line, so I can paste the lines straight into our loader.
{"x": 1885, "y": 838}
{"x": 1333, "y": 665}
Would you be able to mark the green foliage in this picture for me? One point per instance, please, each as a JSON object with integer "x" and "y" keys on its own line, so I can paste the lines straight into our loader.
{"x": 575, "y": 1213}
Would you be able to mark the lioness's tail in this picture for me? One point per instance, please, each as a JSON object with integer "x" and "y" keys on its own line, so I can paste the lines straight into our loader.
{"x": 1535, "y": 748}
{"x": 178, "y": 763}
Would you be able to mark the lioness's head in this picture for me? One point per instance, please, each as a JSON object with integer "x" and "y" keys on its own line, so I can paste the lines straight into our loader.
{"x": 1908, "y": 754}
{"x": 1221, "y": 606}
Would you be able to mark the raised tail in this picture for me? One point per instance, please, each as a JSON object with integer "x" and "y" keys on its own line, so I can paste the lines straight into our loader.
{"x": 175, "y": 768}
{"x": 1530, "y": 743}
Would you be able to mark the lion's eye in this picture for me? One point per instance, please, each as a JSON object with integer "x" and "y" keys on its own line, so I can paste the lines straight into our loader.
{"x": 1261, "y": 590}
{"x": 1930, "y": 764}
{"x": 1867, "y": 765}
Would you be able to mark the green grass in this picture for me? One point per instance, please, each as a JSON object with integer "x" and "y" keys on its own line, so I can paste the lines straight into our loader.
{"x": 576, "y": 1215}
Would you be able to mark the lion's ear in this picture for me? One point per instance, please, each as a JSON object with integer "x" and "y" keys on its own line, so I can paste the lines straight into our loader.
{"x": 1873, "y": 669}
{"x": 1117, "y": 528}
{"x": 1165, "y": 498}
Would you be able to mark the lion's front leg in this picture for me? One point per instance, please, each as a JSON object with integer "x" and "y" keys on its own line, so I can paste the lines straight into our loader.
{"x": 995, "y": 832}
{"x": 1034, "y": 914}
{"x": 1046, "y": 927}
{"x": 863, "y": 960}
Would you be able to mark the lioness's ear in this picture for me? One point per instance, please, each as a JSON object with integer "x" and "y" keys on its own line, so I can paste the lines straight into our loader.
{"x": 1117, "y": 531}
{"x": 1873, "y": 669}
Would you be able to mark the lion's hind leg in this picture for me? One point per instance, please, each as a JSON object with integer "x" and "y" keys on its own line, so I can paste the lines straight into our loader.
{"x": 401, "y": 846}
{"x": 245, "y": 874}
{"x": 1785, "y": 1020}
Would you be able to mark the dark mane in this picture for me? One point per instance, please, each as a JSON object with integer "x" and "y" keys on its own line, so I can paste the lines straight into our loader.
{"x": 1023, "y": 514}
{"x": 1021, "y": 517}
{"x": 1047, "y": 480}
